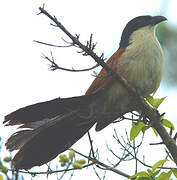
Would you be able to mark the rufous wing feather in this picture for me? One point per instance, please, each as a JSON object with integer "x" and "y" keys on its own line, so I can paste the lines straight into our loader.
{"x": 104, "y": 78}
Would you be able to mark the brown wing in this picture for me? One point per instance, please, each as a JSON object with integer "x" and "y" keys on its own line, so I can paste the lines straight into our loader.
{"x": 104, "y": 78}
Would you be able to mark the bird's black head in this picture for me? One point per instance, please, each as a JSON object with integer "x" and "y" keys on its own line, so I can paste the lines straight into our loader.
{"x": 137, "y": 23}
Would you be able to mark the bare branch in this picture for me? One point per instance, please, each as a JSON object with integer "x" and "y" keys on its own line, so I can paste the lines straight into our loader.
{"x": 91, "y": 145}
{"x": 51, "y": 172}
{"x": 130, "y": 153}
{"x": 48, "y": 44}
{"x": 54, "y": 66}
{"x": 106, "y": 167}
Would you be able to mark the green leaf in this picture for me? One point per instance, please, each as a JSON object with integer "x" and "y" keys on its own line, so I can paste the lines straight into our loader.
{"x": 159, "y": 163}
{"x": 174, "y": 172}
{"x": 165, "y": 176}
{"x": 140, "y": 174}
{"x": 1, "y": 177}
{"x": 143, "y": 178}
{"x": 168, "y": 124}
{"x": 135, "y": 175}
{"x": 135, "y": 130}
{"x": 156, "y": 133}
{"x": 150, "y": 100}
{"x": 150, "y": 172}
{"x": 143, "y": 174}
{"x": 156, "y": 172}
{"x": 153, "y": 174}
{"x": 155, "y": 102}
{"x": 145, "y": 128}
{"x": 158, "y": 102}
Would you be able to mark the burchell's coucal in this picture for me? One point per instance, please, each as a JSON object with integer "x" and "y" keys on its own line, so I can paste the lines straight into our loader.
{"x": 49, "y": 128}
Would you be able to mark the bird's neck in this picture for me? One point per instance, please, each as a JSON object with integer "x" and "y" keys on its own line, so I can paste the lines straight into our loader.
{"x": 146, "y": 34}
{"x": 143, "y": 42}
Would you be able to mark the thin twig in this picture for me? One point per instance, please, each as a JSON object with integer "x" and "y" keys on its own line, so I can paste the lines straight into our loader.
{"x": 55, "y": 66}
{"x": 53, "y": 45}
{"x": 91, "y": 144}
{"x": 51, "y": 172}
{"x": 125, "y": 148}
{"x": 105, "y": 166}
{"x": 65, "y": 171}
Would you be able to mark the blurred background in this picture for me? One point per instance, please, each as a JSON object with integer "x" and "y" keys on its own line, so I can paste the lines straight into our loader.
{"x": 24, "y": 74}
{"x": 168, "y": 35}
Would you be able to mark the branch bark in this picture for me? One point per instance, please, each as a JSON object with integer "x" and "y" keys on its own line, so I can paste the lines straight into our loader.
{"x": 149, "y": 112}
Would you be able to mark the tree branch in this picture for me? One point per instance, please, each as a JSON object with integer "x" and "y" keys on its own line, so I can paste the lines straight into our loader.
{"x": 54, "y": 66}
{"x": 55, "y": 171}
{"x": 105, "y": 166}
{"x": 131, "y": 154}
{"x": 149, "y": 112}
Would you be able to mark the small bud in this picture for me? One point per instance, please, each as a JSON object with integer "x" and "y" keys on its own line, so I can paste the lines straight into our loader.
{"x": 77, "y": 165}
{"x": 4, "y": 169}
{"x": 63, "y": 158}
{"x": 62, "y": 164}
{"x": 71, "y": 154}
{"x": 7, "y": 159}
{"x": 81, "y": 161}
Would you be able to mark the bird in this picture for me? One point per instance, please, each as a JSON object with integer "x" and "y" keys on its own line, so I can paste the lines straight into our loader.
{"x": 49, "y": 128}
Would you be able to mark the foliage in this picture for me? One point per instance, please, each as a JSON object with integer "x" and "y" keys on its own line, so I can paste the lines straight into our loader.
{"x": 141, "y": 126}
{"x": 153, "y": 174}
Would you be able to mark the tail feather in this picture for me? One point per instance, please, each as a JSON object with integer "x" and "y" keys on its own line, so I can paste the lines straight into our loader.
{"x": 35, "y": 112}
{"x": 18, "y": 139}
{"x": 47, "y": 141}
{"x": 50, "y": 129}
{"x": 48, "y": 109}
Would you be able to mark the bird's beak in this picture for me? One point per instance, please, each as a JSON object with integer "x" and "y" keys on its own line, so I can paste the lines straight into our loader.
{"x": 158, "y": 19}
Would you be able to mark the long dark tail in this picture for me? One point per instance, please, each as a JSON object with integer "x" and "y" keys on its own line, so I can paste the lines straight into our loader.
{"x": 50, "y": 128}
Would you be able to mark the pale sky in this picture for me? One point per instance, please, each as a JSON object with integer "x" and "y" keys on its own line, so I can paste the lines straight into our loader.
{"x": 25, "y": 78}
